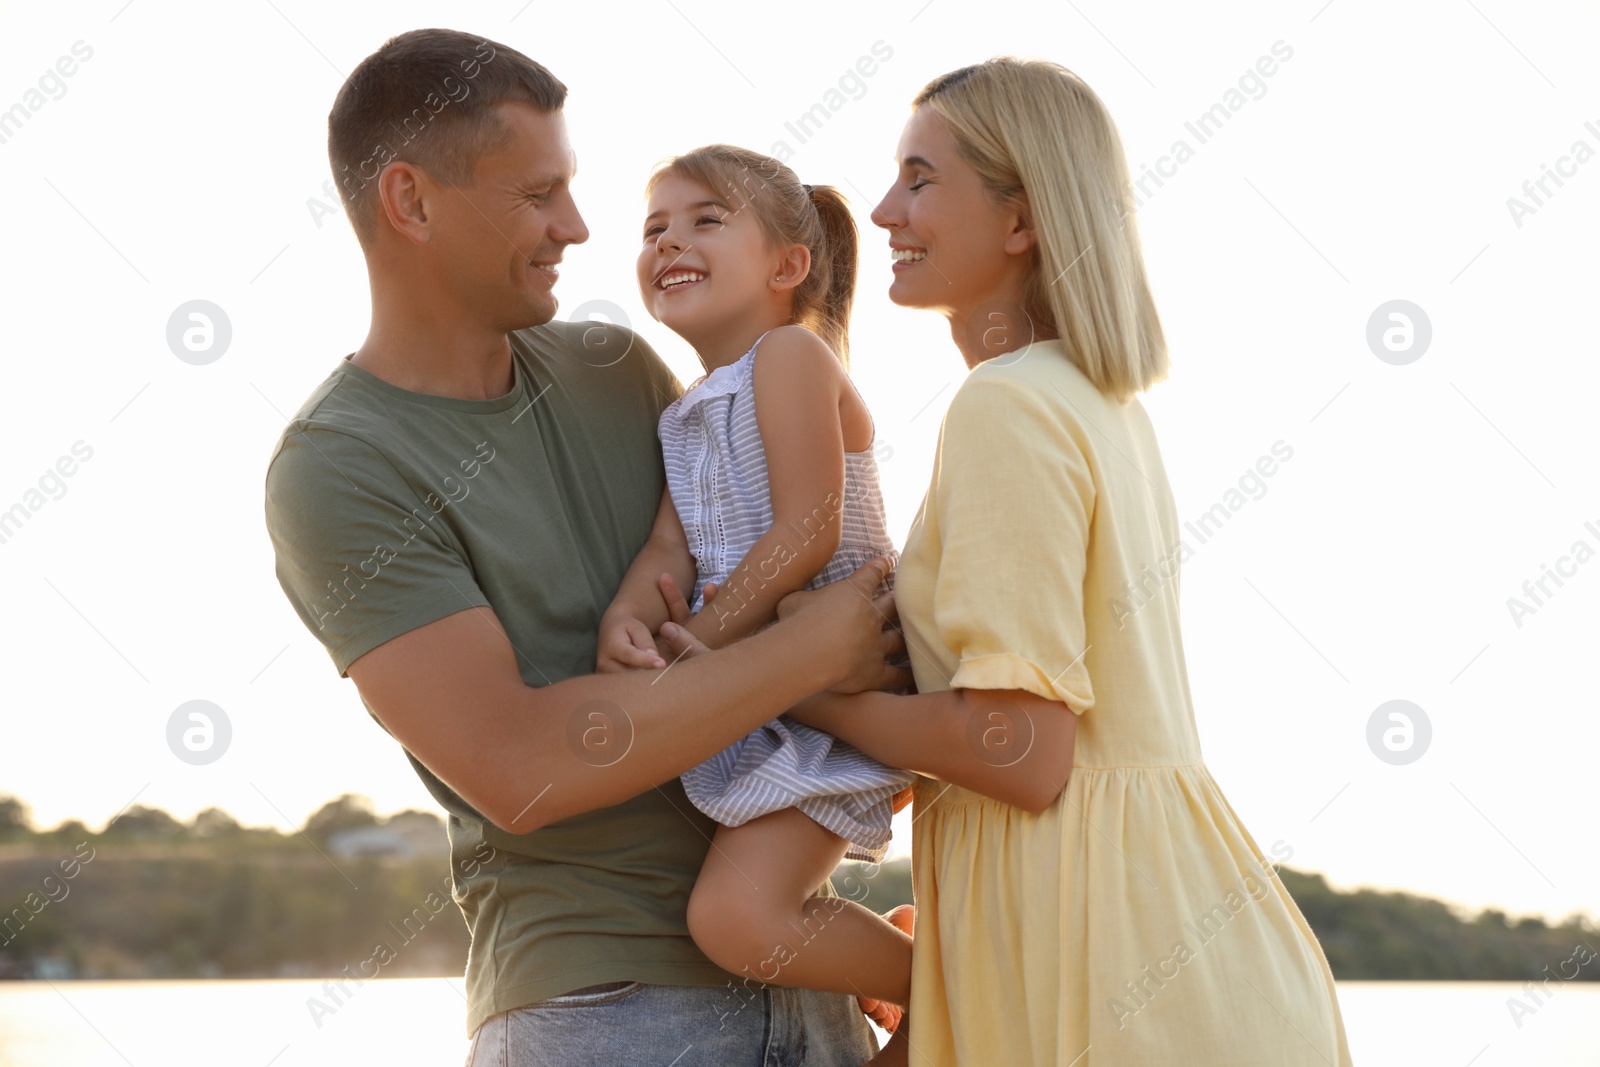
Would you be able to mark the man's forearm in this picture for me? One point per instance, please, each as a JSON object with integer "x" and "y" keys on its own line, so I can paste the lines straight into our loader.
{"x": 596, "y": 740}
{"x": 452, "y": 693}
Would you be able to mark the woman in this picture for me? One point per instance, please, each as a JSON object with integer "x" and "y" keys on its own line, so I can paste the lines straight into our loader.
{"x": 1085, "y": 893}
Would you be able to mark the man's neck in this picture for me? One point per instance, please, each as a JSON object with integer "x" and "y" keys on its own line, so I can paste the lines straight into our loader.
{"x": 438, "y": 360}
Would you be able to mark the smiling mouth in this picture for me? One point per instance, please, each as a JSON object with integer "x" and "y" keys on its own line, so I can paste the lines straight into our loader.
{"x": 908, "y": 255}
{"x": 679, "y": 279}
{"x": 551, "y": 271}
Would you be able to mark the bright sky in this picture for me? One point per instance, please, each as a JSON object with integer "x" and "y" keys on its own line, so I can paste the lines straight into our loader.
{"x": 183, "y": 158}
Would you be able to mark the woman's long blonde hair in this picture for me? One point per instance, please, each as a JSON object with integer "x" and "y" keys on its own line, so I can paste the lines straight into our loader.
{"x": 1041, "y": 139}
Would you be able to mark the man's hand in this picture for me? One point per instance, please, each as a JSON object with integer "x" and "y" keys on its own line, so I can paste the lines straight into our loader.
{"x": 857, "y": 619}
{"x": 850, "y": 619}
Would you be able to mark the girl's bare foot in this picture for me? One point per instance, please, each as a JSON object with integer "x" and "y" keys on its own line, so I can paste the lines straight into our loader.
{"x": 897, "y": 1053}
{"x": 882, "y": 1012}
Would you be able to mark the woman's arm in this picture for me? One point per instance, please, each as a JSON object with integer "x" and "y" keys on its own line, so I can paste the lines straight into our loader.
{"x": 1009, "y": 744}
{"x": 798, "y": 384}
{"x": 628, "y": 626}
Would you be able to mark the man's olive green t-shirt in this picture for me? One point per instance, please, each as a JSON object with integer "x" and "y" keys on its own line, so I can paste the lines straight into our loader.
{"x": 390, "y": 509}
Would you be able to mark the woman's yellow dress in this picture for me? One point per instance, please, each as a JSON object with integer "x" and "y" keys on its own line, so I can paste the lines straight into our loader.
{"x": 1135, "y": 921}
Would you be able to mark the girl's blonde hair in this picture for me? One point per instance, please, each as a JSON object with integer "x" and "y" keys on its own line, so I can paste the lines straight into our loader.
{"x": 1040, "y": 139}
{"x": 788, "y": 212}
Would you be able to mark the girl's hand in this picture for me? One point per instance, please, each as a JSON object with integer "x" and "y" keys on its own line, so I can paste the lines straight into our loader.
{"x": 626, "y": 644}
{"x": 677, "y": 606}
{"x": 678, "y": 643}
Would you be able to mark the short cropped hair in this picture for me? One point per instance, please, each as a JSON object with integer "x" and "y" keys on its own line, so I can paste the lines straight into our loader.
{"x": 426, "y": 97}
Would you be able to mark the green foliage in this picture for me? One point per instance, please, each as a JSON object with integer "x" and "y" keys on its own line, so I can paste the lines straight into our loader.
{"x": 228, "y": 907}
{"x": 347, "y": 813}
{"x": 1373, "y": 935}
{"x": 151, "y": 897}
{"x": 139, "y": 821}
{"x": 213, "y": 823}
{"x": 16, "y": 818}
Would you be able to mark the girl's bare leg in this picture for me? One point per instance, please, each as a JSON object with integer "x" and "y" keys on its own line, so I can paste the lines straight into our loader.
{"x": 753, "y": 912}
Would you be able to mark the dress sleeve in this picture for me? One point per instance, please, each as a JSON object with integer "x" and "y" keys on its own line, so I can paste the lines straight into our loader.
{"x": 360, "y": 555}
{"x": 1014, "y": 495}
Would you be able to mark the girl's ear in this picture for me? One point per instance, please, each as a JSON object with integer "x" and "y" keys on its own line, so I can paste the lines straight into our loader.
{"x": 1022, "y": 237}
{"x": 791, "y": 268}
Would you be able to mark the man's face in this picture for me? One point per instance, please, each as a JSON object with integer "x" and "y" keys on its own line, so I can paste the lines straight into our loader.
{"x": 501, "y": 236}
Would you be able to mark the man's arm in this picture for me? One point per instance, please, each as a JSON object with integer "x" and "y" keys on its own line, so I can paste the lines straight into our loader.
{"x": 524, "y": 757}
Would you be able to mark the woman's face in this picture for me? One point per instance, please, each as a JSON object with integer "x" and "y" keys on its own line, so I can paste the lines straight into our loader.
{"x": 954, "y": 250}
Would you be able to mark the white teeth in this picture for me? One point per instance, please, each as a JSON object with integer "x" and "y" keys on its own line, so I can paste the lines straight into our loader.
{"x": 907, "y": 255}
{"x": 681, "y": 278}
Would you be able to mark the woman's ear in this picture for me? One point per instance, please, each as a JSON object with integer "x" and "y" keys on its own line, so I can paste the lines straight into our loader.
{"x": 1021, "y": 239}
{"x": 791, "y": 268}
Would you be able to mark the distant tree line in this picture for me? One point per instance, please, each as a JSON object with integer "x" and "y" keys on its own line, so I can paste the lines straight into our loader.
{"x": 149, "y": 896}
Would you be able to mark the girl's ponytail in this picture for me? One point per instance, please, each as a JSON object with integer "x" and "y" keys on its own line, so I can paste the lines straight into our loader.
{"x": 824, "y": 307}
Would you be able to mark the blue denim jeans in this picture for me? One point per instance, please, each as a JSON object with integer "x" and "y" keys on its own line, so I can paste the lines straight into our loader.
{"x": 624, "y": 1023}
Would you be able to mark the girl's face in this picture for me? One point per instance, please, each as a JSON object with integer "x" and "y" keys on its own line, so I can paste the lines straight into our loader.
{"x": 703, "y": 262}
{"x": 954, "y": 250}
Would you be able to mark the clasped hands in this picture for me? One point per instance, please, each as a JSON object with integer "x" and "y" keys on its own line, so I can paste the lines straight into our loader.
{"x": 849, "y": 623}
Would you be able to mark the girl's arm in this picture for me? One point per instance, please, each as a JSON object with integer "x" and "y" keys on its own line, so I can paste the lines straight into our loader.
{"x": 800, "y": 386}
{"x": 638, "y": 610}
{"x": 1009, "y": 744}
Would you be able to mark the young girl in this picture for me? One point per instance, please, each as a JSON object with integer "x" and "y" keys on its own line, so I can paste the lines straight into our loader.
{"x": 770, "y": 470}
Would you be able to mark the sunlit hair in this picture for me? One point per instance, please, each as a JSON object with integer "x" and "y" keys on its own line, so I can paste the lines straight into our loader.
{"x": 1040, "y": 138}
{"x": 787, "y": 214}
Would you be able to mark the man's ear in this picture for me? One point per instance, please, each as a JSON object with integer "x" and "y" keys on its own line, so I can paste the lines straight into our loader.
{"x": 791, "y": 268}
{"x": 1022, "y": 238}
{"x": 405, "y": 193}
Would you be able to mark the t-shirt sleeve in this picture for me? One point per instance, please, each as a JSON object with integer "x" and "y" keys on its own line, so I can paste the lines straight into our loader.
{"x": 1014, "y": 495}
{"x": 362, "y": 557}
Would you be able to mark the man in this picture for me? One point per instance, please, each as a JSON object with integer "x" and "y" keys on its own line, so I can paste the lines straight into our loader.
{"x": 452, "y": 511}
